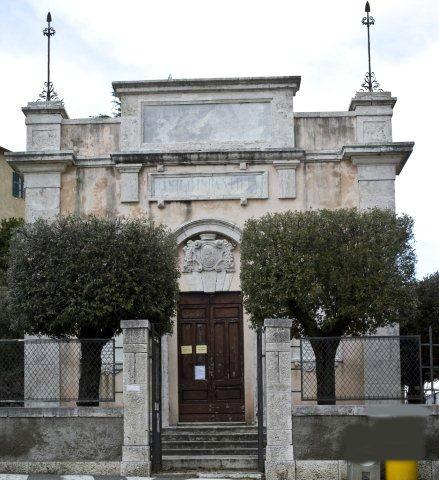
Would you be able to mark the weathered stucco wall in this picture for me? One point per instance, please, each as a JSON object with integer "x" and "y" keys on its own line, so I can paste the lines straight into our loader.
{"x": 9, "y": 205}
{"x": 324, "y": 131}
{"x": 90, "y": 137}
{"x": 97, "y": 190}
{"x": 60, "y": 438}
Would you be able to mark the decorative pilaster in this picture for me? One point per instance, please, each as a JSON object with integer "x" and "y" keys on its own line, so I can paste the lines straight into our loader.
{"x": 373, "y": 112}
{"x": 136, "y": 449}
{"x": 377, "y": 167}
{"x": 43, "y": 120}
{"x": 279, "y": 463}
{"x": 42, "y": 181}
{"x": 43, "y": 162}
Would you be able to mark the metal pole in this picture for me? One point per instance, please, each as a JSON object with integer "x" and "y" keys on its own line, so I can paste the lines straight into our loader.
{"x": 430, "y": 340}
{"x": 370, "y": 84}
{"x": 260, "y": 400}
{"x": 368, "y": 52}
{"x": 48, "y": 94}
{"x": 48, "y": 64}
{"x": 114, "y": 369}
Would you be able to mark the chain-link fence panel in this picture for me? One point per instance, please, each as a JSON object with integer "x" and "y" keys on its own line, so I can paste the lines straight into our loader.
{"x": 360, "y": 368}
{"x": 57, "y": 370}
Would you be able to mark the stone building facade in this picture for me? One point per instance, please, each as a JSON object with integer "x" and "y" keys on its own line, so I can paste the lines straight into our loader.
{"x": 11, "y": 190}
{"x": 202, "y": 156}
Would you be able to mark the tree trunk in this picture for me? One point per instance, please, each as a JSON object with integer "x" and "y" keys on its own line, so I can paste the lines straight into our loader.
{"x": 325, "y": 352}
{"x": 414, "y": 396}
{"x": 90, "y": 372}
{"x": 411, "y": 373}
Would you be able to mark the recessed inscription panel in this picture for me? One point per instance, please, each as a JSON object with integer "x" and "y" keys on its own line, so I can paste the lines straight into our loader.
{"x": 207, "y": 186}
{"x": 207, "y": 123}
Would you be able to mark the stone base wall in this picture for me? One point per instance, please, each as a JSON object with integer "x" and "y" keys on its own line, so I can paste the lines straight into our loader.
{"x": 60, "y": 468}
{"x": 61, "y": 440}
{"x": 337, "y": 470}
{"x": 88, "y": 441}
{"x": 318, "y": 430}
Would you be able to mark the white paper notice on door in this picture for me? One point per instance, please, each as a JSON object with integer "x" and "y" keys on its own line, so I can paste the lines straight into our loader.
{"x": 200, "y": 372}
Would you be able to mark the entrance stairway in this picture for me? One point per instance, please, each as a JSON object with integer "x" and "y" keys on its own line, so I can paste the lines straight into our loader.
{"x": 210, "y": 446}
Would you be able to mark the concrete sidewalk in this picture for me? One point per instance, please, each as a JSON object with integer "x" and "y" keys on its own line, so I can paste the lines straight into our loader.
{"x": 163, "y": 476}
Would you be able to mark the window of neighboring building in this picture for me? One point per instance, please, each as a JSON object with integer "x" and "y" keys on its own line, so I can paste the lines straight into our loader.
{"x": 17, "y": 185}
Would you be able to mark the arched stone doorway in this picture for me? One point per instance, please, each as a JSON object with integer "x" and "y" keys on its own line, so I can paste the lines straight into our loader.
{"x": 209, "y": 350}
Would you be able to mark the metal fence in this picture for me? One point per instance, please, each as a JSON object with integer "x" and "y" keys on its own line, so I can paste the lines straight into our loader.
{"x": 360, "y": 368}
{"x": 48, "y": 370}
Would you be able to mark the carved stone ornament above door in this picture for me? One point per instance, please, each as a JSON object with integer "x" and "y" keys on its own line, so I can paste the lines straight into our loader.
{"x": 209, "y": 263}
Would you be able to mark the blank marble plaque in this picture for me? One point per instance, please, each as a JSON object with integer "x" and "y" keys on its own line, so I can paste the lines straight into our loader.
{"x": 207, "y": 122}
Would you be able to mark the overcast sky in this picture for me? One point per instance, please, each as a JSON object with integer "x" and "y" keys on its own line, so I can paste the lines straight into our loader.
{"x": 98, "y": 41}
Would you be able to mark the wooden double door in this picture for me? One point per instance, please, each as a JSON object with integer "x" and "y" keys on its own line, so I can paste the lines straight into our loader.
{"x": 210, "y": 357}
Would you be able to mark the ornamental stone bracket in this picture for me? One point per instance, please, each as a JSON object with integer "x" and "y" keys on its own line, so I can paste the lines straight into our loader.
{"x": 208, "y": 264}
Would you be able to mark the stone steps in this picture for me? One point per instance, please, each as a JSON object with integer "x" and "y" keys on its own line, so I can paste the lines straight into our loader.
{"x": 209, "y": 462}
{"x": 212, "y": 430}
{"x": 203, "y": 447}
{"x": 210, "y": 451}
{"x": 209, "y": 444}
{"x": 187, "y": 437}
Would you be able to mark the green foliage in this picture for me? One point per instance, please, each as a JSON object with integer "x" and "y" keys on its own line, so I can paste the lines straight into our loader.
{"x": 427, "y": 292}
{"x": 7, "y": 226}
{"x": 116, "y": 105}
{"x": 7, "y": 329}
{"x": 333, "y": 273}
{"x": 427, "y": 314}
{"x": 82, "y": 276}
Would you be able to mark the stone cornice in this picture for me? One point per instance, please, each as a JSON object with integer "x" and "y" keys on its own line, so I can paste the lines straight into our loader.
{"x": 396, "y": 153}
{"x": 32, "y": 162}
{"x": 386, "y": 153}
{"x": 47, "y": 108}
{"x": 286, "y": 164}
{"x": 129, "y": 167}
{"x": 207, "y": 84}
{"x": 370, "y": 99}
{"x": 223, "y": 157}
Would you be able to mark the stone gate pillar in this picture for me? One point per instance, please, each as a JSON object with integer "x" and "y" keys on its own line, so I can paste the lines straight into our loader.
{"x": 136, "y": 450}
{"x": 279, "y": 462}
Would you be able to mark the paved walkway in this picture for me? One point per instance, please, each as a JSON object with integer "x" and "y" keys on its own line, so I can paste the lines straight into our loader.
{"x": 163, "y": 476}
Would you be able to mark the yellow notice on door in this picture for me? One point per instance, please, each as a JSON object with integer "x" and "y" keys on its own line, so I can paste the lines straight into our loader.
{"x": 186, "y": 349}
{"x": 201, "y": 349}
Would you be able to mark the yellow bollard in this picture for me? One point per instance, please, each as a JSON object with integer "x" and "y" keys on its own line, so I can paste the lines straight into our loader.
{"x": 401, "y": 470}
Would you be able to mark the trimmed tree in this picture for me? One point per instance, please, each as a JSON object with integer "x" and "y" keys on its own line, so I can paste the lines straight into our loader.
{"x": 7, "y": 227}
{"x": 334, "y": 273}
{"x": 80, "y": 276}
{"x": 427, "y": 314}
{"x": 11, "y": 353}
